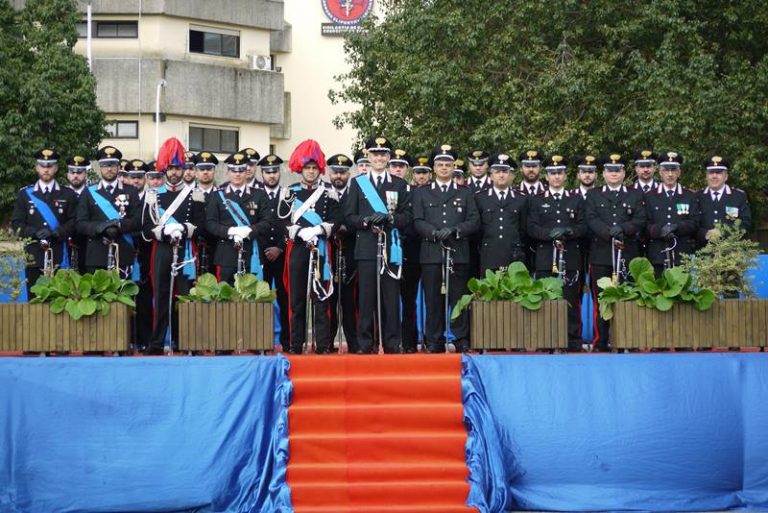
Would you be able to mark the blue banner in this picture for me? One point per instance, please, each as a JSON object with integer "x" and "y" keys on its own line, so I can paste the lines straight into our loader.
{"x": 648, "y": 432}
{"x": 144, "y": 434}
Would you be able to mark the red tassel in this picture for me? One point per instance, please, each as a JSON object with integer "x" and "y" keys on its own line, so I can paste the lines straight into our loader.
{"x": 307, "y": 151}
{"x": 172, "y": 152}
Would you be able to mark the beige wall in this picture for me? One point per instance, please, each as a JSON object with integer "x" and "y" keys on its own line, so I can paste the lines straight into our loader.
{"x": 251, "y": 135}
{"x": 168, "y": 37}
{"x": 309, "y": 74}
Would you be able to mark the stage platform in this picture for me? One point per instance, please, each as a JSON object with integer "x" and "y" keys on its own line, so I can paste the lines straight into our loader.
{"x": 596, "y": 432}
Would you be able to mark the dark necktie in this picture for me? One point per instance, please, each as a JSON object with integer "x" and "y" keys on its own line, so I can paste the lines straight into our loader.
{"x": 378, "y": 183}
{"x": 717, "y": 196}
{"x": 240, "y": 193}
{"x": 46, "y": 194}
{"x": 110, "y": 189}
{"x": 271, "y": 195}
{"x": 531, "y": 190}
{"x": 444, "y": 188}
{"x": 557, "y": 196}
{"x": 670, "y": 194}
{"x": 646, "y": 188}
{"x": 503, "y": 195}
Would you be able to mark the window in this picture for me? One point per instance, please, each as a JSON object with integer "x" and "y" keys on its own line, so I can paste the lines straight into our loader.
{"x": 214, "y": 42}
{"x": 109, "y": 29}
{"x": 217, "y": 140}
{"x": 123, "y": 129}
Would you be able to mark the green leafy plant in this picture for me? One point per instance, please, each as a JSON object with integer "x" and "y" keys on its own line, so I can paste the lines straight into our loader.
{"x": 674, "y": 286}
{"x": 513, "y": 284}
{"x": 722, "y": 264}
{"x": 84, "y": 295}
{"x": 248, "y": 288}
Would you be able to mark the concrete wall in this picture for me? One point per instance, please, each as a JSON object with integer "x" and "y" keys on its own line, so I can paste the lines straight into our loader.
{"x": 264, "y": 14}
{"x": 125, "y": 86}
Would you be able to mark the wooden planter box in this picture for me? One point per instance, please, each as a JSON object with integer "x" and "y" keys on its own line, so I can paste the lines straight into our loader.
{"x": 226, "y": 327}
{"x": 729, "y": 323}
{"x": 505, "y": 325}
{"x": 33, "y": 328}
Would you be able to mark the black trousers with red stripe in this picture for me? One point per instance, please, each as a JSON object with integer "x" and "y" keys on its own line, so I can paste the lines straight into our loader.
{"x": 161, "y": 280}
{"x": 298, "y": 267}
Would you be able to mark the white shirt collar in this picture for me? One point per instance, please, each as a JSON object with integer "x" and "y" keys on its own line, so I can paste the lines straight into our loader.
{"x": 50, "y": 186}
{"x": 104, "y": 184}
{"x": 560, "y": 191}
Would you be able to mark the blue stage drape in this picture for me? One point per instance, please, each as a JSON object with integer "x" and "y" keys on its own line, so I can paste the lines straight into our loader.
{"x": 654, "y": 432}
{"x": 144, "y": 434}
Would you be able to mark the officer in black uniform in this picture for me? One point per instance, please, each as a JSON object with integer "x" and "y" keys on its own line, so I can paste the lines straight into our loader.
{"x": 136, "y": 170}
{"x": 557, "y": 226}
{"x": 170, "y": 221}
{"x": 719, "y": 202}
{"x": 237, "y": 215}
{"x": 77, "y": 172}
{"x": 311, "y": 208}
{"x": 250, "y": 170}
{"x": 421, "y": 173}
{"x": 111, "y": 220}
{"x": 272, "y": 244}
{"x": 530, "y": 167}
{"x": 445, "y": 215}
{"x": 361, "y": 161}
{"x": 369, "y": 223}
{"x": 503, "y": 211}
{"x": 205, "y": 164}
{"x": 616, "y": 216}
{"x": 645, "y": 169}
{"x": 345, "y": 282}
{"x": 586, "y": 178}
{"x": 673, "y": 216}
{"x": 45, "y": 213}
{"x": 399, "y": 165}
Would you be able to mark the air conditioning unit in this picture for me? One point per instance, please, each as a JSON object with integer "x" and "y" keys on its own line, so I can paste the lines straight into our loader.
{"x": 261, "y": 62}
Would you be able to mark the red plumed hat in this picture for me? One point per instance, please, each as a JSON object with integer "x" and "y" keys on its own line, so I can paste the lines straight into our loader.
{"x": 304, "y": 152}
{"x": 171, "y": 153}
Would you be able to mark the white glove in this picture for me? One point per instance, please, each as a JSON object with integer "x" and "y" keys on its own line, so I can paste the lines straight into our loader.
{"x": 232, "y": 231}
{"x": 190, "y": 229}
{"x": 307, "y": 234}
{"x": 244, "y": 231}
{"x": 238, "y": 239}
{"x": 170, "y": 228}
{"x": 293, "y": 230}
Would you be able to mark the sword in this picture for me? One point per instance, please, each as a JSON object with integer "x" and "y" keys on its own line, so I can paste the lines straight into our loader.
{"x": 446, "y": 287}
{"x": 309, "y": 344}
{"x": 379, "y": 272}
{"x": 669, "y": 254}
{"x": 617, "y": 247}
{"x": 47, "y": 258}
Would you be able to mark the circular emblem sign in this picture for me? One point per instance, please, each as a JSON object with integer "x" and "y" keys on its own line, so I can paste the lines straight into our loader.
{"x": 347, "y": 12}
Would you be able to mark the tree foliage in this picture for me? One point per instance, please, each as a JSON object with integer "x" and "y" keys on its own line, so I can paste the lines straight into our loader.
{"x": 568, "y": 75}
{"x": 47, "y": 94}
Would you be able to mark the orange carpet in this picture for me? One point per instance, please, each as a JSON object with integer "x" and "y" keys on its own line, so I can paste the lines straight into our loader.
{"x": 380, "y": 433}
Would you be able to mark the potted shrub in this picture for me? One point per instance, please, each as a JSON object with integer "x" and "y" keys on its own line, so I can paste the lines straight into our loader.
{"x": 653, "y": 313}
{"x": 510, "y": 310}
{"x": 221, "y": 317}
{"x": 73, "y": 313}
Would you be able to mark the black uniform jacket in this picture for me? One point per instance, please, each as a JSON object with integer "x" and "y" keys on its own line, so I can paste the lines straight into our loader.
{"x": 681, "y": 209}
{"x": 434, "y": 209}
{"x": 547, "y": 213}
{"x": 605, "y": 209}
{"x": 218, "y": 221}
{"x": 26, "y": 219}
{"x": 394, "y": 195}
{"x": 502, "y": 227}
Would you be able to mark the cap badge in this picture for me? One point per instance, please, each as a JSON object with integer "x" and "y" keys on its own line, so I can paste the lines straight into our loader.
{"x": 615, "y": 157}
{"x": 445, "y": 148}
{"x": 646, "y": 153}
